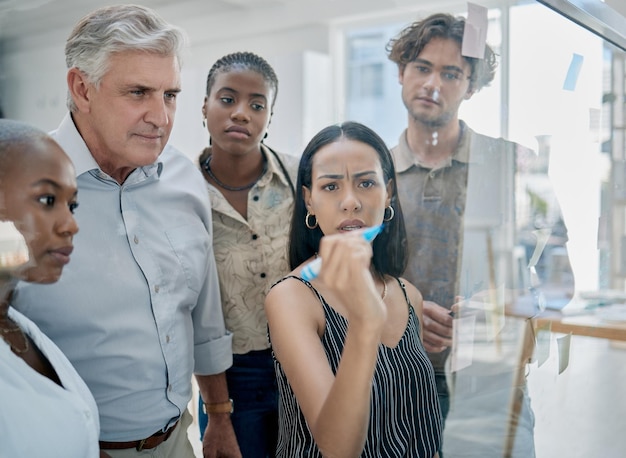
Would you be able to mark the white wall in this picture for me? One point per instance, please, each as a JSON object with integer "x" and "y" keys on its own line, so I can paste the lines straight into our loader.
{"x": 34, "y": 85}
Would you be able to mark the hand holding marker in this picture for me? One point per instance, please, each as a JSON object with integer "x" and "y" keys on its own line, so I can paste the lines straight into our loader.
{"x": 312, "y": 269}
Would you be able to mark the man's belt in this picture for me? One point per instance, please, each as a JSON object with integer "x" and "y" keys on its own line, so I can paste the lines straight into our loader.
{"x": 149, "y": 442}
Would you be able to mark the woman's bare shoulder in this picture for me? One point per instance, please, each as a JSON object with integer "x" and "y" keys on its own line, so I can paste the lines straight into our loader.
{"x": 414, "y": 294}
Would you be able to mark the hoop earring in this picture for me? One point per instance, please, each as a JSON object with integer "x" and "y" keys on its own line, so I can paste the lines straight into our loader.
{"x": 306, "y": 221}
{"x": 392, "y": 213}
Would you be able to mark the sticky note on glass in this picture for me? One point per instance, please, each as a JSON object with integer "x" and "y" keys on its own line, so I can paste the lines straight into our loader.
{"x": 494, "y": 312}
{"x": 475, "y": 32}
{"x": 542, "y": 345}
{"x": 572, "y": 73}
{"x": 564, "y": 343}
{"x": 462, "y": 352}
{"x": 542, "y": 236}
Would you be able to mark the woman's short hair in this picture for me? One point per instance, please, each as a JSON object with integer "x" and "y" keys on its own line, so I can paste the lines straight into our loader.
{"x": 14, "y": 135}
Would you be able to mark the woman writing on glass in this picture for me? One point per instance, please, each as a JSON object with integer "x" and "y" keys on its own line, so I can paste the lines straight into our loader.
{"x": 353, "y": 376}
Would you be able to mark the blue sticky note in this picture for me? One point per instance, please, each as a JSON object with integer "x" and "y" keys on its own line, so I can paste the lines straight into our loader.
{"x": 572, "y": 73}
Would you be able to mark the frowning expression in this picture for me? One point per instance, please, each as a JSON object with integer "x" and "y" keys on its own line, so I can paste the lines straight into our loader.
{"x": 348, "y": 188}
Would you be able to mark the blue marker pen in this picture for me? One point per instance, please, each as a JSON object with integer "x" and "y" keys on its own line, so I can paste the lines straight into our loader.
{"x": 312, "y": 269}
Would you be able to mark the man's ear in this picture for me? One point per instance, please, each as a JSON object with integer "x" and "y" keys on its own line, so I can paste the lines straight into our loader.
{"x": 79, "y": 89}
{"x": 401, "y": 73}
{"x": 470, "y": 92}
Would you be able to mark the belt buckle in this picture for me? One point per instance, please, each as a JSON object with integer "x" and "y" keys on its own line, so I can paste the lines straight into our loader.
{"x": 141, "y": 444}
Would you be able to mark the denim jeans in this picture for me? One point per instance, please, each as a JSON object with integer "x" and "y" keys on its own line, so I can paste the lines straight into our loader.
{"x": 252, "y": 387}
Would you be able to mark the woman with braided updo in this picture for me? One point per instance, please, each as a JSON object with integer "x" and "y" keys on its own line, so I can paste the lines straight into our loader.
{"x": 252, "y": 197}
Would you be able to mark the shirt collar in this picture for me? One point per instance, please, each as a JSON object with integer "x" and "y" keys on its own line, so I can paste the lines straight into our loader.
{"x": 405, "y": 159}
{"x": 68, "y": 137}
{"x": 273, "y": 167}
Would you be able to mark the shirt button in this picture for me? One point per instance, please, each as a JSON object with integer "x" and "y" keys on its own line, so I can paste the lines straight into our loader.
{"x": 136, "y": 240}
{"x": 255, "y": 198}
{"x": 431, "y": 174}
{"x": 254, "y": 236}
{"x": 263, "y": 275}
{"x": 169, "y": 387}
{"x": 156, "y": 288}
{"x": 167, "y": 338}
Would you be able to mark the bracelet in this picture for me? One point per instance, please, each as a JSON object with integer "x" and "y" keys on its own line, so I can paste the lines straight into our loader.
{"x": 219, "y": 407}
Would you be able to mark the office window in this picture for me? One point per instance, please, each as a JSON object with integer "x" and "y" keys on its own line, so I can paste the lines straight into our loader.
{"x": 559, "y": 94}
{"x": 366, "y": 67}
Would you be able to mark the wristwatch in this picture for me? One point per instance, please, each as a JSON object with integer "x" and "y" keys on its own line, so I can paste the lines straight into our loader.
{"x": 219, "y": 407}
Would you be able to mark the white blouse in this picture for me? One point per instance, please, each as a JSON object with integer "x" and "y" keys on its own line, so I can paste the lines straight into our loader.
{"x": 39, "y": 418}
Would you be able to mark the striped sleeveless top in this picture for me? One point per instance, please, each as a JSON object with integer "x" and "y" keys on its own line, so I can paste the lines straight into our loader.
{"x": 405, "y": 419}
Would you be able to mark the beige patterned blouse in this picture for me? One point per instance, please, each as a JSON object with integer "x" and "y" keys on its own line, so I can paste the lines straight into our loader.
{"x": 252, "y": 255}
